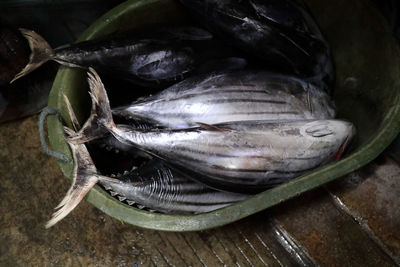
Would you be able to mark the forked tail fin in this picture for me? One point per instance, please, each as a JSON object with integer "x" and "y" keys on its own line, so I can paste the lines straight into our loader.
{"x": 41, "y": 52}
{"x": 84, "y": 178}
{"x": 100, "y": 118}
{"x": 85, "y": 174}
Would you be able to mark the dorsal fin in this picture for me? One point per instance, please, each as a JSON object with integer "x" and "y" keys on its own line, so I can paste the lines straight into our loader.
{"x": 213, "y": 128}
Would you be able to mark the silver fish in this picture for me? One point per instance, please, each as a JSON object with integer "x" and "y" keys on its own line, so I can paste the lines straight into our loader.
{"x": 237, "y": 156}
{"x": 157, "y": 187}
{"x": 154, "y": 186}
{"x": 160, "y": 188}
{"x": 149, "y": 56}
{"x": 234, "y": 96}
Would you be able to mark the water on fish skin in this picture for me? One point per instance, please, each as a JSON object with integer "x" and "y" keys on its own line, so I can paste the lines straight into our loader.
{"x": 281, "y": 33}
{"x": 232, "y": 96}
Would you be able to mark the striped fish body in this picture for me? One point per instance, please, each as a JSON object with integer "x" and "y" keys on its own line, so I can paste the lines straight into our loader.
{"x": 233, "y": 96}
{"x": 158, "y": 187}
{"x": 244, "y": 156}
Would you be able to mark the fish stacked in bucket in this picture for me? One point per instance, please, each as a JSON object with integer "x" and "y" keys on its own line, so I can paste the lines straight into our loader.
{"x": 242, "y": 105}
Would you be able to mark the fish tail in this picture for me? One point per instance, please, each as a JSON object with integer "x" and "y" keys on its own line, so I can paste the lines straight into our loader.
{"x": 41, "y": 52}
{"x": 84, "y": 178}
{"x": 100, "y": 119}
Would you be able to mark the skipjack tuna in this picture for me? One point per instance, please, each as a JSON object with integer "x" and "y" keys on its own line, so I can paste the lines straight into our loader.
{"x": 238, "y": 156}
{"x": 232, "y": 96}
{"x": 157, "y": 187}
{"x": 281, "y": 32}
{"x": 150, "y": 57}
{"x": 154, "y": 186}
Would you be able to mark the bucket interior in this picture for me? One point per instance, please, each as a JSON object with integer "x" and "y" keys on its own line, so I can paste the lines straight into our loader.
{"x": 366, "y": 92}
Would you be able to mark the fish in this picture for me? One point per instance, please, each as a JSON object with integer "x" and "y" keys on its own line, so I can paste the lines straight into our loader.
{"x": 153, "y": 186}
{"x": 247, "y": 95}
{"x": 243, "y": 157}
{"x": 281, "y": 34}
{"x": 151, "y": 57}
{"x": 161, "y": 188}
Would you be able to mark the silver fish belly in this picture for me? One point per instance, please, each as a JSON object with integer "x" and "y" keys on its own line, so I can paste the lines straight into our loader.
{"x": 245, "y": 156}
{"x": 235, "y": 96}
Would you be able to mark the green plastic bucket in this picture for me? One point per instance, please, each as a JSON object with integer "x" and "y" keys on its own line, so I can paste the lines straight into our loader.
{"x": 366, "y": 93}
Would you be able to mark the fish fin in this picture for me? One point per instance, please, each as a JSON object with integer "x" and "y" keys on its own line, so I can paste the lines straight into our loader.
{"x": 100, "y": 118}
{"x": 212, "y": 127}
{"x": 84, "y": 178}
{"x": 72, "y": 199}
{"x": 68, "y": 131}
{"x": 108, "y": 179}
{"x": 71, "y": 113}
{"x": 41, "y": 52}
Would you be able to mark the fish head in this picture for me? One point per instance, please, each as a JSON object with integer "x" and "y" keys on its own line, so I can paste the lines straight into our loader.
{"x": 332, "y": 135}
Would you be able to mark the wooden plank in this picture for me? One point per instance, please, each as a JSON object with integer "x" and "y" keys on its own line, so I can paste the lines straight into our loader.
{"x": 330, "y": 236}
{"x": 371, "y": 196}
{"x": 218, "y": 249}
{"x": 206, "y": 256}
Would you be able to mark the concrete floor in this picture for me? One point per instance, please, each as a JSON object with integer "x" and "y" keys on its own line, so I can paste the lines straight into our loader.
{"x": 351, "y": 222}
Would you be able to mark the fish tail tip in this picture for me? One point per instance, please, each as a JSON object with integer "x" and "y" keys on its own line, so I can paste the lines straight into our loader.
{"x": 69, "y": 132}
{"x": 72, "y": 115}
{"x": 49, "y": 224}
{"x": 58, "y": 215}
{"x": 16, "y": 77}
{"x": 41, "y": 52}
{"x": 72, "y": 198}
{"x": 95, "y": 83}
{"x": 98, "y": 94}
